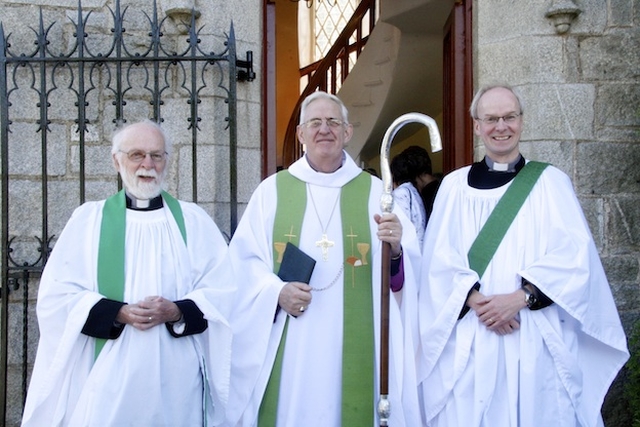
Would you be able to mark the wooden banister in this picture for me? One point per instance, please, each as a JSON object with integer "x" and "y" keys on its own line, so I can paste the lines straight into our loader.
{"x": 322, "y": 74}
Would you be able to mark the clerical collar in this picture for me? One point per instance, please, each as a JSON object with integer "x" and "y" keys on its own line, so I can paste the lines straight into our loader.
{"x": 344, "y": 157}
{"x": 143, "y": 205}
{"x": 481, "y": 175}
{"x": 502, "y": 167}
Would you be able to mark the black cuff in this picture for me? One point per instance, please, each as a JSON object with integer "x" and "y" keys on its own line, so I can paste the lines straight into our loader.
{"x": 101, "y": 322}
{"x": 542, "y": 300}
{"x": 194, "y": 320}
{"x": 395, "y": 264}
{"x": 466, "y": 308}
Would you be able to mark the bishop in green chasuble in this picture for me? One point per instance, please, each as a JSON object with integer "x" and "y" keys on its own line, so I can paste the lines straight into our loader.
{"x": 312, "y": 390}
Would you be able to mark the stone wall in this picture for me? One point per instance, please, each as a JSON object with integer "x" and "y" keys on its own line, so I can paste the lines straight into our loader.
{"x": 582, "y": 95}
{"x": 20, "y": 18}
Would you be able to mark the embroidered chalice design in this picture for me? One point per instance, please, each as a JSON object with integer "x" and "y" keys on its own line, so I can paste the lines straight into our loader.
{"x": 363, "y": 249}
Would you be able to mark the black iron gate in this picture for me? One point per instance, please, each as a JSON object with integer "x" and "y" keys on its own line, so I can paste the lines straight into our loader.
{"x": 111, "y": 76}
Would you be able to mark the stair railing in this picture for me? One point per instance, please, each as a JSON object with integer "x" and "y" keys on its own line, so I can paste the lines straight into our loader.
{"x": 323, "y": 74}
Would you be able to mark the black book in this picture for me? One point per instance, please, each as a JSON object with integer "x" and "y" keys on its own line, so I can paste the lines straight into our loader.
{"x": 296, "y": 266}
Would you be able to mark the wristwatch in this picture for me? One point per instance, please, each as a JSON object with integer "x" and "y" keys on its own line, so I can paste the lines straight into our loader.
{"x": 529, "y": 298}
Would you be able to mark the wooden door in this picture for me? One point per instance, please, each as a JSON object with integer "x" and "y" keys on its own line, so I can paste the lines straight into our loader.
{"x": 458, "y": 88}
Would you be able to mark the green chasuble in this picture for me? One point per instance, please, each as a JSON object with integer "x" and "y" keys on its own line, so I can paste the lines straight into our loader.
{"x": 358, "y": 349}
{"x": 111, "y": 247}
{"x": 491, "y": 234}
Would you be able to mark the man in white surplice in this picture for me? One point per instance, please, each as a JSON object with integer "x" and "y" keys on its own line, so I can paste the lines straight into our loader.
{"x": 133, "y": 306}
{"x": 310, "y": 384}
{"x": 535, "y": 338}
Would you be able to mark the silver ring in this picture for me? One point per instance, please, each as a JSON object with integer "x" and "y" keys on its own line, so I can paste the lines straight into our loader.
{"x": 390, "y": 232}
{"x": 302, "y": 308}
{"x": 491, "y": 320}
{"x": 149, "y": 318}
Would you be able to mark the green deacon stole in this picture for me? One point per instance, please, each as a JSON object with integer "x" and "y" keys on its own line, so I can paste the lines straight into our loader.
{"x": 493, "y": 231}
{"x": 358, "y": 329}
{"x": 111, "y": 247}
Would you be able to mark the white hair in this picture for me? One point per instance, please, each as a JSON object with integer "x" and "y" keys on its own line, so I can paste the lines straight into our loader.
{"x": 473, "y": 110}
{"x": 118, "y": 135}
{"x": 323, "y": 95}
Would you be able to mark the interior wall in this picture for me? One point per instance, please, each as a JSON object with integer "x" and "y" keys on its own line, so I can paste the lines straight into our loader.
{"x": 412, "y": 79}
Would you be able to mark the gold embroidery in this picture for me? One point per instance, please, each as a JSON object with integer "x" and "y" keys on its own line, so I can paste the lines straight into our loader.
{"x": 353, "y": 260}
{"x": 280, "y": 246}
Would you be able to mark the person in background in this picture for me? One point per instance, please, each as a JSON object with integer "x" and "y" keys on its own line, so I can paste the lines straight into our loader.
{"x": 518, "y": 323}
{"x": 412, "y": 172}
{"x": 133, "y": 305}
{"x": 306, "y": 351}
{"x": 428, "y": 193}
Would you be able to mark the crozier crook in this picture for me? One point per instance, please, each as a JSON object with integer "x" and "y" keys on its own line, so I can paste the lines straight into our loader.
{"x": 386, "y": 205}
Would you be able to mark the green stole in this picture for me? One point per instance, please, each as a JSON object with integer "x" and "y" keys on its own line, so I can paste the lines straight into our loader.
{"x": 493, "y": 231}
{"x": 111, "y": 247}
{"x": 358, "y": 329}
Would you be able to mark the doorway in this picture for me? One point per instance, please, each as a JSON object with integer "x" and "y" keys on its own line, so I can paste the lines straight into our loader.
{"x": 447, "y": 100}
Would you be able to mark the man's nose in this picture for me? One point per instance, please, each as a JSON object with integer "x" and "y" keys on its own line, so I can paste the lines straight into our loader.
{"x": 324, "y": 127}
{"x": 147, "y": 162}
{"x": 501, "y": 123}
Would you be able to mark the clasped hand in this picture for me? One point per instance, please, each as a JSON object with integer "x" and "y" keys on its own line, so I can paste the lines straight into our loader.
{"x": 497, "y": 312}
{"x": 151, "y": 311}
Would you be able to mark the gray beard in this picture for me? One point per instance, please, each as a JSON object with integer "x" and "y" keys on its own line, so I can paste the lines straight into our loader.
{"x": 141, "y": 190}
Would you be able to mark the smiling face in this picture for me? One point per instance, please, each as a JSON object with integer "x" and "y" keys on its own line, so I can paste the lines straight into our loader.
{"x": 142, "y": 179}
{"x": 326, "y": 141}
{"x": 500, "y": 139}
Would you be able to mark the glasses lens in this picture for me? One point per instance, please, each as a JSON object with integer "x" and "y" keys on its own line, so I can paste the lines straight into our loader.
{"x": 494, "y": 120}
{"x": 157, "y": 156}
{"x": 314, "y": 123}
{"x": 136, "y": 155}
{"x": 317, "y": 123}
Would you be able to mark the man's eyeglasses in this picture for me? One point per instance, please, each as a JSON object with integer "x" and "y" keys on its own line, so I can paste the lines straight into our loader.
{"x": 511, "y": 118}
{"x": 317, "y": 123}
{"x": 137, "y": 156}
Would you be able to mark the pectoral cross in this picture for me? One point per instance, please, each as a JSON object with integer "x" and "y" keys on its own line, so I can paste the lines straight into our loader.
{"x": 325, "y": 244}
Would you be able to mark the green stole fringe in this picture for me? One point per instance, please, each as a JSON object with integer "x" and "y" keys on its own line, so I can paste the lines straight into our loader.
{"x": 493, "y": 231}
{"x": 358, "y": 350}
{"x": 111, "y": 247}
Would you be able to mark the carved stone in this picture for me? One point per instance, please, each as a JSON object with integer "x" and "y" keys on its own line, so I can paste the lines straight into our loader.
{"x": 562, "y": 13}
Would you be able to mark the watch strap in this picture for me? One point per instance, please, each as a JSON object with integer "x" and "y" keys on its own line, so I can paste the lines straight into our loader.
{"x": 529, "y": 298}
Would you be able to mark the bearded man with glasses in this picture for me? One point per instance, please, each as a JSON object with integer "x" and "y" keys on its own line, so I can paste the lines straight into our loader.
{"x": 518, "y": 323}
{"x": 133, "y": 305}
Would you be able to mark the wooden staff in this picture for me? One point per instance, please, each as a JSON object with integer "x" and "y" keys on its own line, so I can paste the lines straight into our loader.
{"x": 386, "y": 205}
